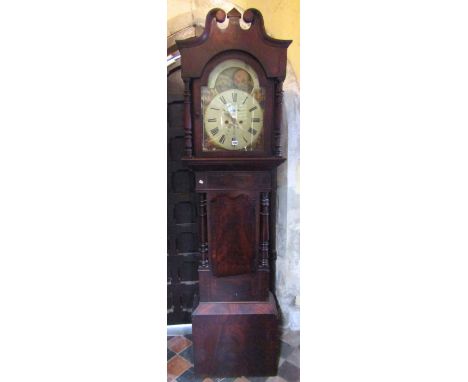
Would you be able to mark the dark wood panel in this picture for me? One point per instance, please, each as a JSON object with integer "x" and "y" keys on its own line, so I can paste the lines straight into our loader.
{"x": 184, "y": 212}
{"x": 186, "y": 242}
{"x": 233, "y": 339}
{"x": 183, "y": 181}
{"x": 182, "y": 288}
{"x": 232, "y": 232}
{"x": 182, "y": 235}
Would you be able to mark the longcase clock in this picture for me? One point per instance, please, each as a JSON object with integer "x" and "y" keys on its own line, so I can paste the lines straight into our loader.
{"x": 233, "y": 99}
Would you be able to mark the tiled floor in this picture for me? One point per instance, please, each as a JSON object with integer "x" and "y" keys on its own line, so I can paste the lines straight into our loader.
{"x": 180, "y": 361}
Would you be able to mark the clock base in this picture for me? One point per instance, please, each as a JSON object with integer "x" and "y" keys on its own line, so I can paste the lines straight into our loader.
{"x": 232, "y": 339}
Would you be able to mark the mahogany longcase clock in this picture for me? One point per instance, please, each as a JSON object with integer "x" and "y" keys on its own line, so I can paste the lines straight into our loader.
{"x": 233, "y": 99}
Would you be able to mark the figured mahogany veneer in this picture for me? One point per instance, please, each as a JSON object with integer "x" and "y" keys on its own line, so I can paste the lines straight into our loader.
{"x": 236, "y": 338}
{"x": 232, "y": 238}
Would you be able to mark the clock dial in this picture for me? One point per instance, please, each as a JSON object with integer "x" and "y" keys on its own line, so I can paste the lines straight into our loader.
{"x": 233, "y": 120}
{"x": 233, "y": 108}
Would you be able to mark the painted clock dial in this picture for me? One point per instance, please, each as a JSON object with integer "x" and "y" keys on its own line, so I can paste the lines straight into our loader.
{"x": 233, "y": 120}
{"x": 232, "y": 106}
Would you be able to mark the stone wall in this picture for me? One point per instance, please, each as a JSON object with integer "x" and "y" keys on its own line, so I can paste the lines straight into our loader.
{"x": 288, "y": 234}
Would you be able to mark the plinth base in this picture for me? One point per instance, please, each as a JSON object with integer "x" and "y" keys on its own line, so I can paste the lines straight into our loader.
{"x": 231, "y": 339}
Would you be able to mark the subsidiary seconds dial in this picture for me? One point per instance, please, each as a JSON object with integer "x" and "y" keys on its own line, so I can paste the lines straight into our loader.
{"x": 233, "y": 120}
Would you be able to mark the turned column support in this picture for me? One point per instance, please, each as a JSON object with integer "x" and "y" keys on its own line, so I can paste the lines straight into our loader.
{"x": 278, "y": 117}
{"x": 188, "y": 118}
{"x": 203, "y": 232}
{"x": 264, "y": 229}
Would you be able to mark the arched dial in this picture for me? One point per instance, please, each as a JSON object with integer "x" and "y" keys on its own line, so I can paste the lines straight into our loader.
{"x": 233, "y": 120}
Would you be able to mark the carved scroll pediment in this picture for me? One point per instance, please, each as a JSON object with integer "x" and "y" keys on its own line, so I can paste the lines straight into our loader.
{"x": 196, "y": 52}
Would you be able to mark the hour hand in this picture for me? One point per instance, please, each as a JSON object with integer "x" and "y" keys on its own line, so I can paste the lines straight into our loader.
{"x": 232, "y": 110}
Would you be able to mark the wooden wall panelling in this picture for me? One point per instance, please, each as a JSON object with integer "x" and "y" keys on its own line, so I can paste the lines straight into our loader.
{"x": 182, "y": 212}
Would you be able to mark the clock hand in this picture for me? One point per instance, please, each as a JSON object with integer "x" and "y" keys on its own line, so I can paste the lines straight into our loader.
{"x": 231, "y": 110}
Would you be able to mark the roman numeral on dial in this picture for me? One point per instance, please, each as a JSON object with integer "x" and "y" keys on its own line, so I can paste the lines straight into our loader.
{"x": 211, "y": 119}
{"x": 253, "y": 108}
{"x": 255, "y": 119}
{"x": 223, "y": 100}
{"x": 222, "y": 139}
{"x": 214, "y": 131}
{"x": 234, "y": 97}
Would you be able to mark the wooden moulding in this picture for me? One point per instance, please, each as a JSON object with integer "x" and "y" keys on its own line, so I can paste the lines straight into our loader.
{"x": 246, "y": 287}
{"x": 259, "y": 163}
{"x": 235, "y": 180}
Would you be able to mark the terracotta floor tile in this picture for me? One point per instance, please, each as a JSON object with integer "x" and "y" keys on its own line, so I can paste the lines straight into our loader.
{"x": 176, "y": 366}
{"x": 178, "y": 343}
